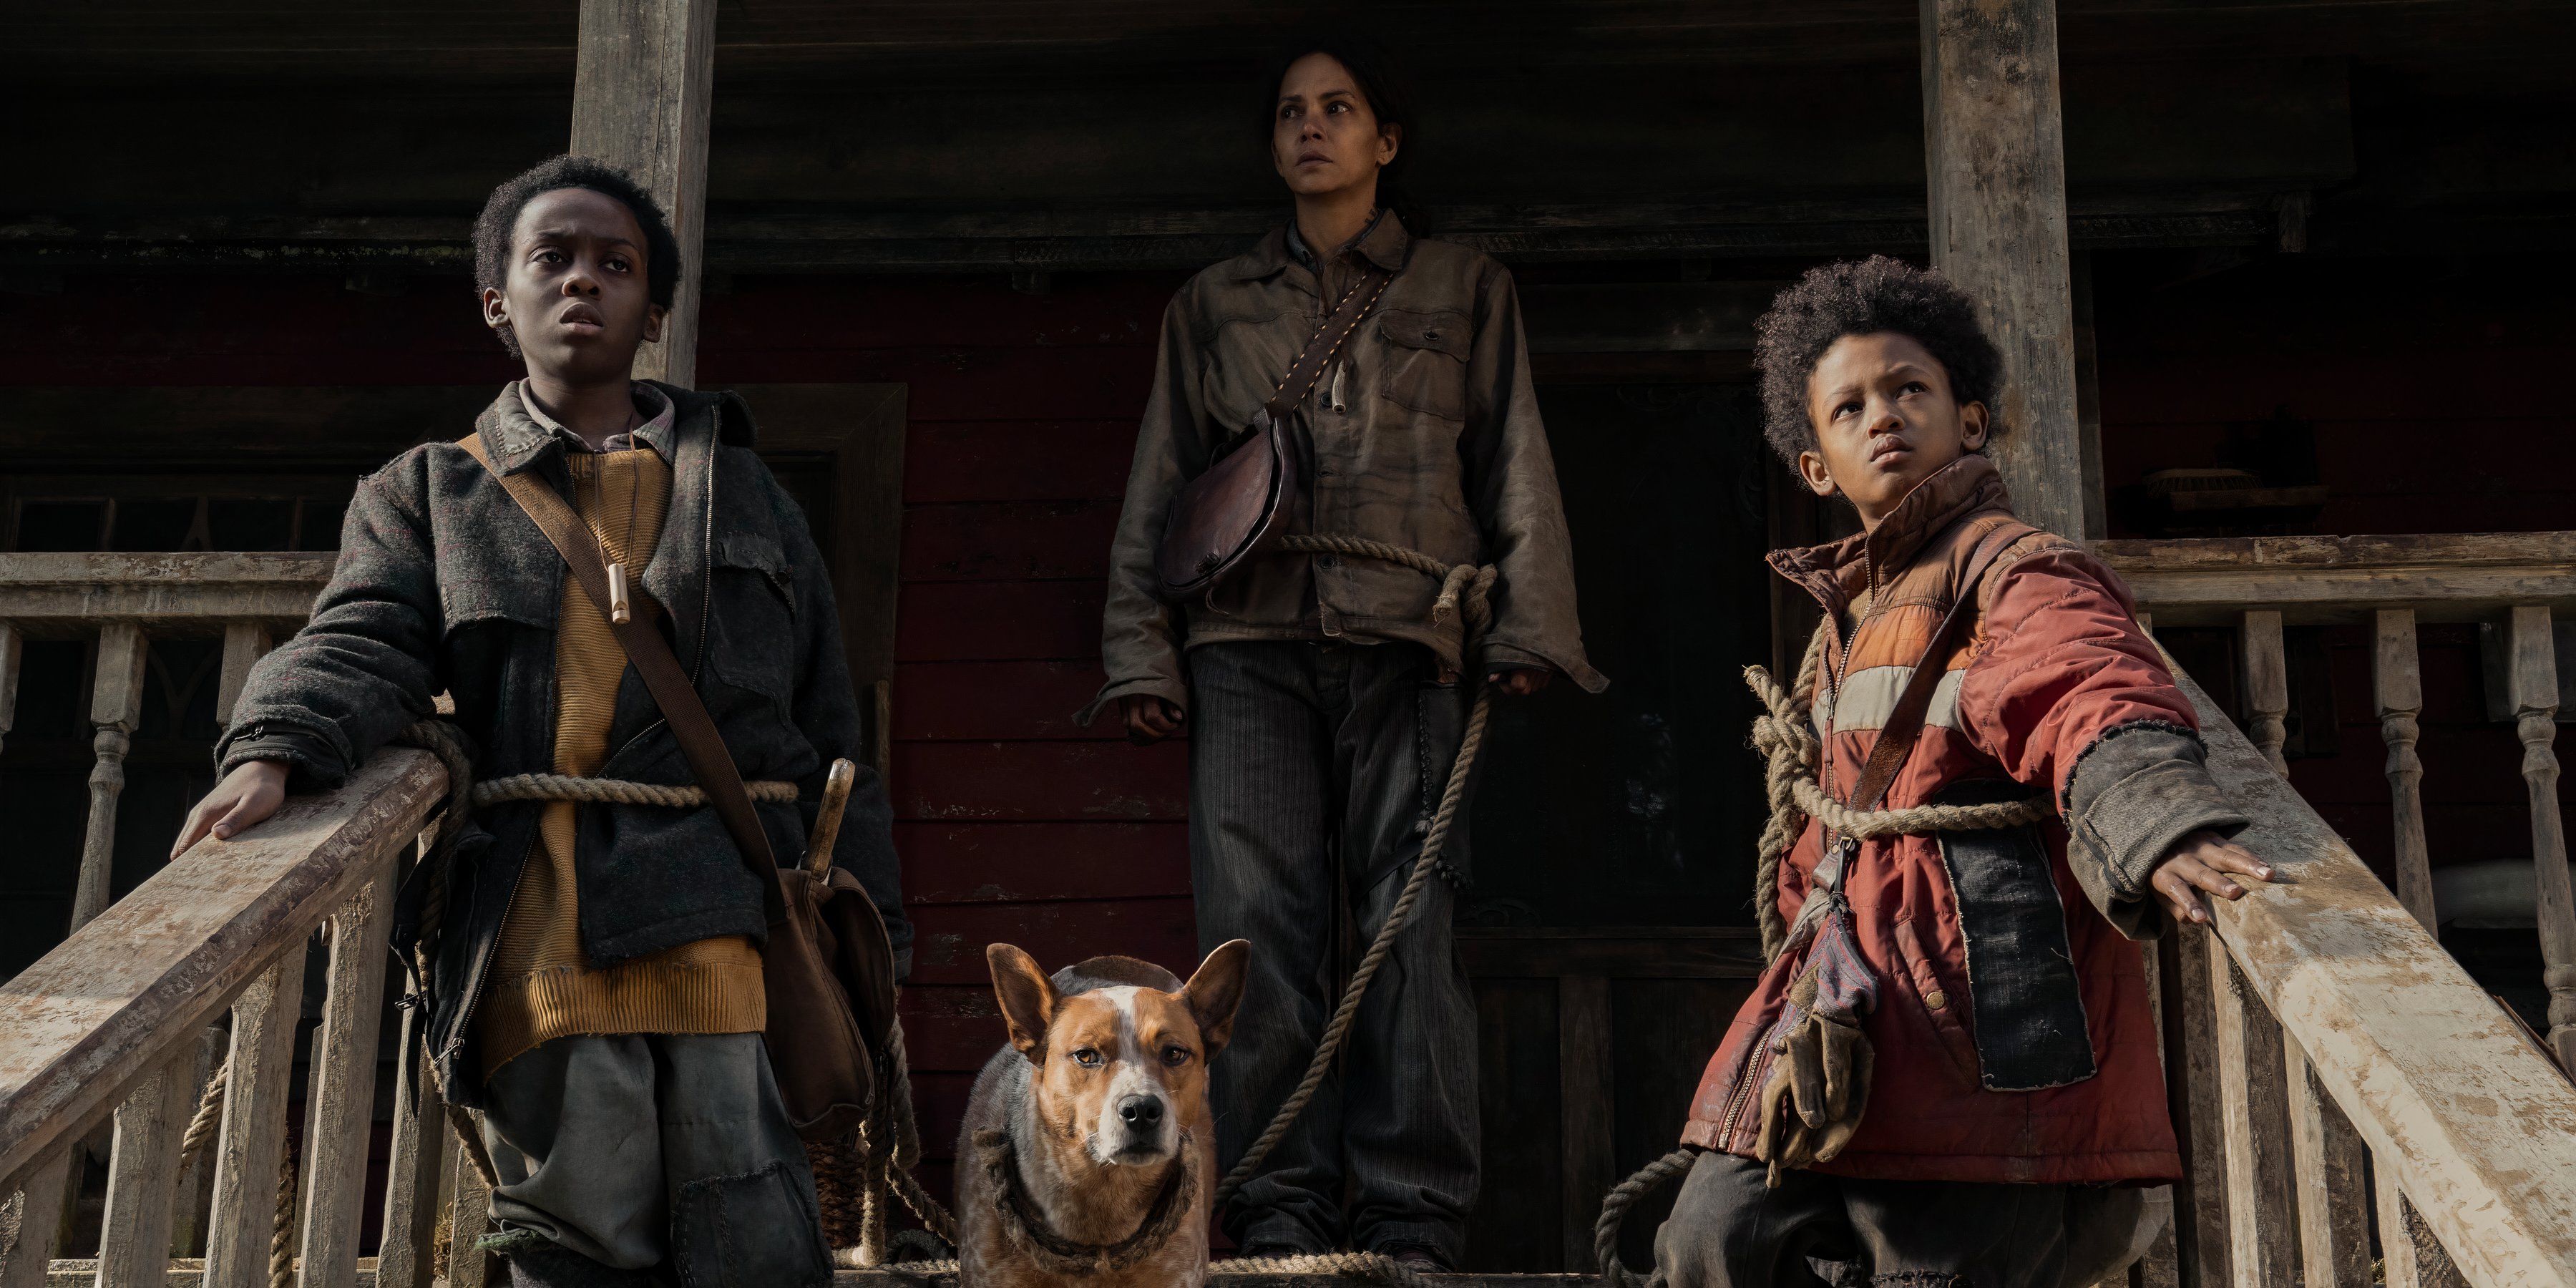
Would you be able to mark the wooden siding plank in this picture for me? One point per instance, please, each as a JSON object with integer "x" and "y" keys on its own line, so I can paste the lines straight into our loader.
{"x": 993, "y": 701}
{"x": 994, "y": 621}
{"x": 1031, "y": 862}
{"x": 1009, "y": 541}
{"x": 949, "y": 942}
{"x": 1041, "y": 781}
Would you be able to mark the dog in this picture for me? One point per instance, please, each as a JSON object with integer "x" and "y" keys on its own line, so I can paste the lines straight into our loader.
{"x": 1089, "y": 1151}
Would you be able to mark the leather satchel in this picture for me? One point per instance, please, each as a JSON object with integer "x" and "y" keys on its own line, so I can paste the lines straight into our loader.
{"x": 1238, "y": 508}
{"x": 827, "y": 969}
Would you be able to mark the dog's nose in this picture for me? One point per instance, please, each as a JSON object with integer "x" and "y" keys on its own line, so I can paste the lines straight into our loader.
{"x": 1141, "y": 1111}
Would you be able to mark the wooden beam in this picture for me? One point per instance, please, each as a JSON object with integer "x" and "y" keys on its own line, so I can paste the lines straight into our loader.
{"x": 68, "y": 595}
{"x": 1995, "y": 156}
{"x": 642, "y": 84}
{"x": 1003, "y": 237}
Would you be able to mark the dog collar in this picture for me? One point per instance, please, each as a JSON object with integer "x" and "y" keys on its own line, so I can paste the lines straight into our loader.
{"x": 1023, "y": 1226}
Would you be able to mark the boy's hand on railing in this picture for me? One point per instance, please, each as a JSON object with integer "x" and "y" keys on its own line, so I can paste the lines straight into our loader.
{"x": 246, "y": 797}
{"x": 2203, "y": 861}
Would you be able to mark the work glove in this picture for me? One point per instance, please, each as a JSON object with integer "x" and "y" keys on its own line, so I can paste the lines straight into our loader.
{"x": 1811, "y": 1103}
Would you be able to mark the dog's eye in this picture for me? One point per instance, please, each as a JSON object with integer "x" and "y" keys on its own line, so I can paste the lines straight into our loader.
{"x": 1176, "y": 1055}
{"x": 1087, "y": 1058}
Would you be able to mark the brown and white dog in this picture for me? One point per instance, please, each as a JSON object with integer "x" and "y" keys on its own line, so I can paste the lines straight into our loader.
{"x": 1088, "y": 1151}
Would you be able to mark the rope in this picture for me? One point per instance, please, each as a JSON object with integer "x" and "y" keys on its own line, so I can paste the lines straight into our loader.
{"x": 1793, "y": 753}
{"x": 1464, "y": 587}
{"x": 210, "y": 1115}
{"x": 281, "y": 1234}
{"x": 1365, "y": 1265}
{"x": 613, "y": 791}
{"x": 1614, "y": 1214}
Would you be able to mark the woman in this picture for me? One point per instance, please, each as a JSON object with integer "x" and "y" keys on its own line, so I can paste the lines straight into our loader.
{"x": 1324, "y": 696}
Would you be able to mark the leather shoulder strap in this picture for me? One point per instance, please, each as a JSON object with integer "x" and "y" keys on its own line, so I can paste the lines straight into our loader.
{"x": 1904, "y": 723}
{"x": 654, "y": 661}
{"x": 1327, "y": 341}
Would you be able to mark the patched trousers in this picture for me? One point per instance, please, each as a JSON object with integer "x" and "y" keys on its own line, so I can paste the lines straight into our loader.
{"x": 1314, "y": 769}
{"x": 620, "y": 1154}
{"x": 1728, "y": 1231}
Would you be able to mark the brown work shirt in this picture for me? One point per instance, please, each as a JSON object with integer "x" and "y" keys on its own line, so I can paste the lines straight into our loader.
{"x": 1424, "y": 433}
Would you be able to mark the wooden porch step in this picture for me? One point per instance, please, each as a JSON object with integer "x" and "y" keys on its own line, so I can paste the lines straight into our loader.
{"x": 82, "y": 1272}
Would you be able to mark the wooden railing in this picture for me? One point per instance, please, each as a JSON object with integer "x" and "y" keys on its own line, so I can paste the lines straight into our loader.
{"x": 2321, "y": 1032}
{"x": 110, "y": 1023}
{"x": 2317, "y": 1035}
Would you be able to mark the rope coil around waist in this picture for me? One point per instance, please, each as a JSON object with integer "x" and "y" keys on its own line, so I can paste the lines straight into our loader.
{"x": 613, "y": 791}
{"x": 1792, "y": 755}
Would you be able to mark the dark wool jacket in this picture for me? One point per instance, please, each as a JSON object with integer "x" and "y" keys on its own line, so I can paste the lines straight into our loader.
{"x": 445, "y": 585}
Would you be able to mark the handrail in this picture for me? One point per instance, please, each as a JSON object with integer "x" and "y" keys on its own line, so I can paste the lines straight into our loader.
{"x": 2470, "y": 1121}
{"x": 111, "y": 1021}
{"x": 78, "y": 592}
{"x": 2442, "y": 576}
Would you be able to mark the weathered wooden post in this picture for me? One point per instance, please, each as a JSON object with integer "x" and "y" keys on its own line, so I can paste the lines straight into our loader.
{"x": 640, "y": 92}
{"x": 1994, "y": 156}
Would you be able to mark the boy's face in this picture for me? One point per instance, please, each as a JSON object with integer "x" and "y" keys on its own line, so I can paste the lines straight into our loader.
{"x": 575, "y": 295}
{"x": 1885, "y": 420}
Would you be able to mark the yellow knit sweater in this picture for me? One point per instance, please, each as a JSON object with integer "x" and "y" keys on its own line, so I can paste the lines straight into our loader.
{"x": 543, "y": 986}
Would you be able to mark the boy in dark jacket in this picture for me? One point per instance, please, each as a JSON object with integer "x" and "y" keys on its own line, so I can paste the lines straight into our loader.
{"x": 595, "y": 989}
{"x": 1953, "y": 1040}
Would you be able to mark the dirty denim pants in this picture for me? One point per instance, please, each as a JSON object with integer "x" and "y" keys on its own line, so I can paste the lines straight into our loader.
{"x": 634, "y": 1150}
{"x": 1728, "y": 1231}
{"x": 1314, "y": 768}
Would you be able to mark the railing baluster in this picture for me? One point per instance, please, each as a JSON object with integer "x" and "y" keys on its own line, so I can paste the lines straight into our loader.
{"x": 252, "y": 1145}
{"x": 2191, "y": 1061}
{"x": 2535, "y": 709}
{"x": 2267, "y": 684}
{"x": 134, "y": 1232}
{"x": 244, "y": 644}
{"x": 412, "y": 1189}
{"x": 344, "y": 1057}
{"x": 2261, "y": 1209}
{"x": 188, "y": 1211}
{"x": 469, "y": 1212}
{"x": 2398, "y": 688}
{"x": 2326, "y": 1167}
{"x": 35, "y": 1220}
{"x": 2397, "y": 677}
{"x": 12, "y": 648}
{"x": 116, "y": 702}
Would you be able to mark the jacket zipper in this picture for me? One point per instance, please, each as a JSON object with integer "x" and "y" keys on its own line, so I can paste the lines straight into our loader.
{"x": 1760, "y": 1063}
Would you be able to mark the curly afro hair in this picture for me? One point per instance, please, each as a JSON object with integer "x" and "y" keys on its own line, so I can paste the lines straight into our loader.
{"x": 1863, "y": 297}
{"x": 501, "y": 214}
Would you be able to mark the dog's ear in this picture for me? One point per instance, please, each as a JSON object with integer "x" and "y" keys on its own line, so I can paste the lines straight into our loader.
{"x": 1216, "y": 990}
{"x": 1026, "y": 995}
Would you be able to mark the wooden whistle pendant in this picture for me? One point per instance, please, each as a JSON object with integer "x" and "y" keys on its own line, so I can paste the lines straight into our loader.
{"x": 621, "y": 610}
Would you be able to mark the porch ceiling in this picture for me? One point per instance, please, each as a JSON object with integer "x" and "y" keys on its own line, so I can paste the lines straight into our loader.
{"x": 506, "y": 40}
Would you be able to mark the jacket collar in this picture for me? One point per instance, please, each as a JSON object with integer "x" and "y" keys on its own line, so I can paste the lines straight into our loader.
{"x": 1385, "y": 243}
{"x": 1837, "y": 572}
{"x": 516, "y": 439}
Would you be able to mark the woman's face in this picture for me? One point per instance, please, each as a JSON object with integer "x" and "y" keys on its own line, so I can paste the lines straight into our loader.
{"x": 1324, "y": 138}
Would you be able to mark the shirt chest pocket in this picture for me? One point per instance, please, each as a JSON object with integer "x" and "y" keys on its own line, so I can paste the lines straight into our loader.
{"x": 755, "y": 614}
{"x": 1425, "y": 352}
